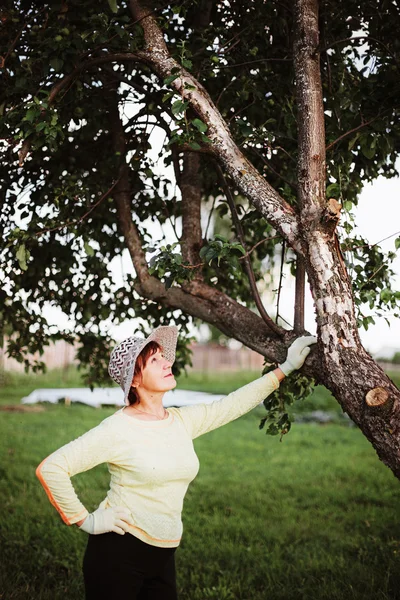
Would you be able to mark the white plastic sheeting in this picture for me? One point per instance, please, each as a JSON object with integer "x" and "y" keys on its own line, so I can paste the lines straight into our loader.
{"x": 112, "y": 396}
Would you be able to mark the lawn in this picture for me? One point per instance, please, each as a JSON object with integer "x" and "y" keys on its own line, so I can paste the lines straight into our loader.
{"x": 314, "y": 516}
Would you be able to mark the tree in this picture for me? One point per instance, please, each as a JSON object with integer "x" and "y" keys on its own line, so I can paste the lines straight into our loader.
{"x": 275, "y": 112}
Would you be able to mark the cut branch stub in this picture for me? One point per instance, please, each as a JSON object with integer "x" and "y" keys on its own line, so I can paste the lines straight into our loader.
{"x": 377, "y": 397}
{"x": 331, "y": 216}
{"x": 380, "y": 403}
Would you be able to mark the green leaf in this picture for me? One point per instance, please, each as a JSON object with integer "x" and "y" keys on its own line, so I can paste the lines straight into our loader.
{"x": 56, "y": 63}
{"x": 22, "y": 257}
{"x": 245, "y": 128}
{"x": 353, "y": 141}
{"x": 169, "y": 281}
{"x": 397, "y": 243}
{"x": 187, "y": 63}
{"x": 113, "y": 6}
{"x": 347, "y": 205}
{"x": 167, "y": 96}
{"x": 171, "y": 78}
{"x": 368, "y": 146}
{"x": 178, "y": 107}
{"x": 31, "y": 114}
{"x": 194, "y": 146}
{"x": 88, "y": 249}
{"x": 239, "y": 248}
{"x": 202, "y": 127}
{"x": 369, "y": 152}
{"x": 333, "y": 189}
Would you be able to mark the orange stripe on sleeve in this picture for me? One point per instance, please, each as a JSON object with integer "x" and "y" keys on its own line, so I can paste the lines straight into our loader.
{"x": 68, "y": 521}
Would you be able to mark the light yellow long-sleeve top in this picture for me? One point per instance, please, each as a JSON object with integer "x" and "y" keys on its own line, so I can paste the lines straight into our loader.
{"x": 151, "y": 463}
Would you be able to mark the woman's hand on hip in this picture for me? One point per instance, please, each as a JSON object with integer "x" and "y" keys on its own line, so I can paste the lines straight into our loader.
{"x": 103, "y": 520}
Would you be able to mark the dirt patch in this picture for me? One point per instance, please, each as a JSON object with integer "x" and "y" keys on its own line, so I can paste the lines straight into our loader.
{"x": 21, "y": 408}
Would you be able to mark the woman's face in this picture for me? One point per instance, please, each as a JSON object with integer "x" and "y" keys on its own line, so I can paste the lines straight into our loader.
{"x": 156, "y": 375}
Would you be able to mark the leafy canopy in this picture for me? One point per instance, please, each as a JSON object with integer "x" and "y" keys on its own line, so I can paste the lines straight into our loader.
{"x": 58, "y": 218}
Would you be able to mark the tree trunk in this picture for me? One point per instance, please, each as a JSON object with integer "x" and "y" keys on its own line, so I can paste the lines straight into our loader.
{"x": 357, "y": 382}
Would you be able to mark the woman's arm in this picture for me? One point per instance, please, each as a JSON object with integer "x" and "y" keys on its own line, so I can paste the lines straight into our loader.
{"x": 202, "y": 418}
{"x": 99, "y": 445}
{"x": 199, "y": 419}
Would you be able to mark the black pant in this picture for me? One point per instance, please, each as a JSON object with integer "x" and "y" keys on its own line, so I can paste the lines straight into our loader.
{"x": 122, "y": 567}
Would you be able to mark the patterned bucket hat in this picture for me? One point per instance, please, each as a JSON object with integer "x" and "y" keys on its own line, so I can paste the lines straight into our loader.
{"x": 123, "y": 357}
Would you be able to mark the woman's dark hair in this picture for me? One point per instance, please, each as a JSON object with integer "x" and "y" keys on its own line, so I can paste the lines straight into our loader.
{"x": 141, "y": 361}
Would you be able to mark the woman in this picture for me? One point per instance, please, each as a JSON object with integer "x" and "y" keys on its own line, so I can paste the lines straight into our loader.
{"x": 151, "y": 460}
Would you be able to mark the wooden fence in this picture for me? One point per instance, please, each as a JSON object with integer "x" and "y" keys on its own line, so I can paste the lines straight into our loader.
{"x": 205, "y": 357}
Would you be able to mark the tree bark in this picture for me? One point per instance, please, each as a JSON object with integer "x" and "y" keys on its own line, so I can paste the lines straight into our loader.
{"x": 190, "y": 186}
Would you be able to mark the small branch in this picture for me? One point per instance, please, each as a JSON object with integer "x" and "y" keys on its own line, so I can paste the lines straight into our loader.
{"x": 371, "y": 245}
{"x": 273, "y": 237}
{"x": 286, "y": 152}
{"x": 75, "y": 221}
{"x": 299, "y": 296}
{"x": 240, "y": 111}
{"x": 291, "y": 184}
{"x": 280, "y": 280}
{"x": 240, "y": 258}
{"x": 93, "y": 62}
{"x": 340, "y": 138}
{"x": 355, "y": 38}
{"x": 249, "y": 269}
{"x": 204, "y": 149}
{"x": 14, "y": 42}
{"x": 244, "y": 64}
{"x": 138, "y": 88}
{"x": 224, "y": 90}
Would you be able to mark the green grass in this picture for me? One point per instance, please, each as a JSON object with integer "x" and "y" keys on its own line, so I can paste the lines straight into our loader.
{"x": 316, "y": 516}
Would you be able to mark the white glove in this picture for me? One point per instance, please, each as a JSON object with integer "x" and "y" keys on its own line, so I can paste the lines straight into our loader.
{"x": 297, "y": 354}
{"x": 103, "y": 520}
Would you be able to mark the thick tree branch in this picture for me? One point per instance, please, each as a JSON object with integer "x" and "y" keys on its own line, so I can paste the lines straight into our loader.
{"x": 299, "y": 296}
{"x": 246, "y": 178}
{"x": 311, "y": 128}
{"x": 190, "y": 186}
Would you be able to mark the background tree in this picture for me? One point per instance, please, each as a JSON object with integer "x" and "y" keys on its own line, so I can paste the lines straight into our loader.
{"x": 273, "y": 113}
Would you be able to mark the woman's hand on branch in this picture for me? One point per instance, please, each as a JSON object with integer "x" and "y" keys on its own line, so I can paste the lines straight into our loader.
{"x": 297, "y": 354}
{"x": 103, "y": 520}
